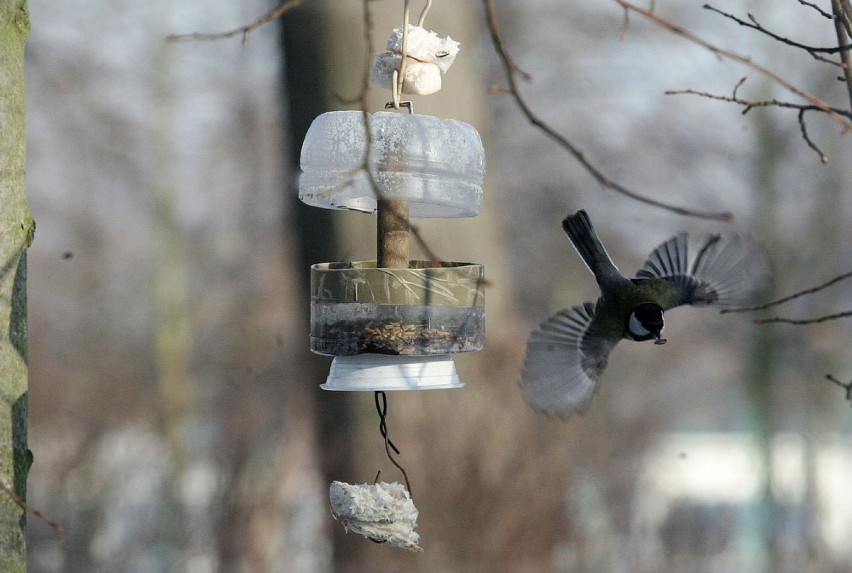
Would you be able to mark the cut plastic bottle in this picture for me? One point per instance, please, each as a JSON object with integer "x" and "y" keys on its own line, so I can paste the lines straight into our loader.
{"x": 436, "y": 165}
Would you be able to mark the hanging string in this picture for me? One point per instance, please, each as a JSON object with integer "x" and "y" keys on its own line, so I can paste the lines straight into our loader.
{"x": 382, "y": 408}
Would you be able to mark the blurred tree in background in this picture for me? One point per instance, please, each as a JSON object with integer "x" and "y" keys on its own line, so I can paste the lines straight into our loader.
{"x": 175, "y": 415}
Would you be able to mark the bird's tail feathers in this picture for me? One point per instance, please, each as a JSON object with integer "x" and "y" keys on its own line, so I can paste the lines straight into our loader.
{"x": 579, "y": 229}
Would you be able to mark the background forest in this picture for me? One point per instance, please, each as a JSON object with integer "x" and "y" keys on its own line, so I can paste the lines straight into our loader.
{"x": 175, "y": 415}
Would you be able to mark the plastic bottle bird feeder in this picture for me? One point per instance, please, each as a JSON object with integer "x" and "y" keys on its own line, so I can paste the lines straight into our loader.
{"x": 383, "y": 319}
{"x": 391, "y": 329}
{"x": 392, "y": 323}
{"x": 435, "y": 165}
{"x": 428, "y": 308}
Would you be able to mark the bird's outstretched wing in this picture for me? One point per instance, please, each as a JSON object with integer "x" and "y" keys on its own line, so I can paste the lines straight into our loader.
{"x": 727, "y": 271}
{"x": 564, "y": 361}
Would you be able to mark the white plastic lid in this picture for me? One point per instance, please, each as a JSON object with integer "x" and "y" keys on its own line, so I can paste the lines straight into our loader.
{"x": 374, "y": 372}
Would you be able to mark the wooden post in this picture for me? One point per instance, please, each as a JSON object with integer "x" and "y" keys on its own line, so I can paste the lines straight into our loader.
{"x": 392, "y": 237}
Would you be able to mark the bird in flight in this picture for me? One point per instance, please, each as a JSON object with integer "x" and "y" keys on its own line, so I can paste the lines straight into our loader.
{"x": 568, "y": 353}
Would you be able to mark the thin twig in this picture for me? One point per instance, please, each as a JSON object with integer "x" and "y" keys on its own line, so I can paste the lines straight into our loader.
{"x": 818, "y": 9}
{"x": 273, "y": 14}
{"x": 793, "y": 296}
{"x": 845, "y": 386}
{"x": 757, "y": 103}
{"x": 755, "y": 25}
{"x": 579, "y": 155}
{"x": 23, "y": 505}
{"x": 747, "y": 61}
{"x": 751, "y": 104}
{"x": 825, "y": 60}
{"x": 816, "y": 320}
{"x": 803, "y": 128}
{"x": 736, "y": 87}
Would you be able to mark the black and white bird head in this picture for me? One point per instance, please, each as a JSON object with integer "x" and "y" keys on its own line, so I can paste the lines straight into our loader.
{"x": 646, "y": 322}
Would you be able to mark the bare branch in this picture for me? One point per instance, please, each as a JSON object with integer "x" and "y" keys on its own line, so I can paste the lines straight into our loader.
{"x": 841, "y": 28}
{"x": 243, "y": 31}
{"x": 793, "y": 296}
{"x": 803, "y": 128}
{"x": 816, "y": 320}
{"x": 807, "y": 291}
{"x": 755, "y": 25}
{"x": 23, "y": 505}
{"x": 825, "y": 60}
{"x": 579, "y": 155}
{"x": 747, "y": 61}
{"x": 818, "y": 9}
{"x": 757, "y": 103}
{"x": 750, "y": 104}
{"x": 736, "y": 87}
{"x": 845, "y": 386}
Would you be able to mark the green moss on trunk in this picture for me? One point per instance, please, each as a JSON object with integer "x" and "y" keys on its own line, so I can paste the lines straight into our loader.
{"x": 16, "y": 234}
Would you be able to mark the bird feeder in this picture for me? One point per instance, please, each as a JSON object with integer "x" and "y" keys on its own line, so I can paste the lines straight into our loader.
{"x": 369, "y": 314}
{"x": 393, "y": 323}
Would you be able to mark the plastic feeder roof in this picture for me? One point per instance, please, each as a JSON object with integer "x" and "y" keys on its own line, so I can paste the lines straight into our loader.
{"x": 436, "y": 165}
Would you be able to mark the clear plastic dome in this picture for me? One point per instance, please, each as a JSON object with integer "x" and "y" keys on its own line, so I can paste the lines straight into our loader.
{"x": 436, "y": 165}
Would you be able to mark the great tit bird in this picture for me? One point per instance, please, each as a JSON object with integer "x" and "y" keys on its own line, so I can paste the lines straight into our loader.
{"x": 568, "y": 353}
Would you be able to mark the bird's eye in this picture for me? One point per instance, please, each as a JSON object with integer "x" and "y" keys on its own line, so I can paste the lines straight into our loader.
{"x": 442, "y": 54}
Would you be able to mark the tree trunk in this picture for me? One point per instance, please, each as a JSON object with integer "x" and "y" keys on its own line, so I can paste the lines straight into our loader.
{"x": 16, "y": 232}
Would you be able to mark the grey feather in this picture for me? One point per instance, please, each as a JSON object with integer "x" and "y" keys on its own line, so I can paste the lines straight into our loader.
{"x": 727, "y": 271}
{"x": 669, "y": 259}
{"x": 564, "y": 362}
{"x": 579, "y": 229}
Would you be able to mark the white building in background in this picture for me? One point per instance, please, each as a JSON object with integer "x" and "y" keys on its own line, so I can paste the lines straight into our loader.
{"x": 716, "y": 476}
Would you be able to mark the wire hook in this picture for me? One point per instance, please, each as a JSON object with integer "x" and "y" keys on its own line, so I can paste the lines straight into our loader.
{"x": 381, "y": 400}
{"x": 398, "y": 78}
{"x": 424, "y": 12}
{"x": 399, "y": 75}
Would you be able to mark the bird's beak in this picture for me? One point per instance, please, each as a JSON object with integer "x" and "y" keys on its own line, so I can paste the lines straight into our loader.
{"x": 659, "y": 339}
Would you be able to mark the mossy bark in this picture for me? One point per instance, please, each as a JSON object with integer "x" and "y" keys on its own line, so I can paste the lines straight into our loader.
{"x": 16, "y": 233}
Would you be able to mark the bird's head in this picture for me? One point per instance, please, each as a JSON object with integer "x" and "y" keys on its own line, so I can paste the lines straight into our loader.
{"x": 645, "y": 322}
